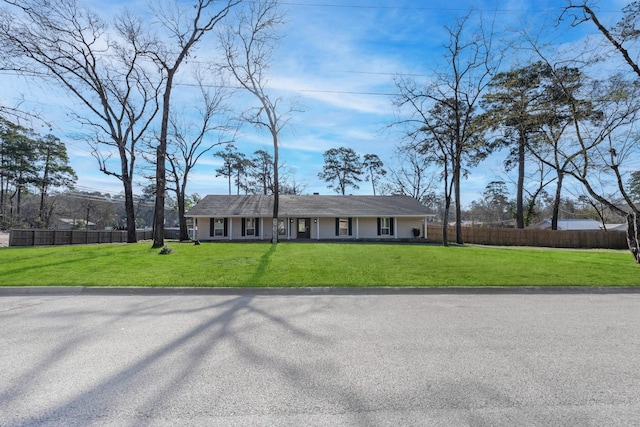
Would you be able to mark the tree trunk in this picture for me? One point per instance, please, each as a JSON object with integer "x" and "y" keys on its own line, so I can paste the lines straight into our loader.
{"x": 2, "y": 193}
{"x": 445, "y": 223}
{"x": 19, "y": 201}
{"x": 161, "y": 167}
{"x": 11, "y": 210}
{"x": 445, "y": 213}
{"x": 158, "y": 211}
{"x": 130, "y": 211}
{"x": 276, "y": 190}
{"x": 556, "y": 203}
{"x": 184, "y": 232}
{"x": 41, "y": 214}
{"x": 633, "y": 227}
{"x": 520, "y": 189}
{"x": 456, "y": 177}
{"x": 43, "y": 187}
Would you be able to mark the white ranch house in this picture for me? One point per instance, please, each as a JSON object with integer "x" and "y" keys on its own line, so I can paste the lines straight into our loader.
{"x": 316, "y": 217}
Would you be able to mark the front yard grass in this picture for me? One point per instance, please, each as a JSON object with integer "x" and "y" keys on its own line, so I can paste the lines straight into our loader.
{"x": 312, "y": 264}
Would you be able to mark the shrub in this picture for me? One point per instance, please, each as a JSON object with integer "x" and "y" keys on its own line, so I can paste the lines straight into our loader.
{"x": 166, "y": 250}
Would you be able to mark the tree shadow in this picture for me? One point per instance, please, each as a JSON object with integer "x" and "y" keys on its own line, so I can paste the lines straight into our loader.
{"x": 261, "y": 269}
{"x": 230, "y": 359}
{"x": 222, "y": 334}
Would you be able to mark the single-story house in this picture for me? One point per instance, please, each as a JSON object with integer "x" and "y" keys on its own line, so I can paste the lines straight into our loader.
{"x": 314, "y": 217}
{"x": 69, "y": 224}
{"x": 614, "y": 227}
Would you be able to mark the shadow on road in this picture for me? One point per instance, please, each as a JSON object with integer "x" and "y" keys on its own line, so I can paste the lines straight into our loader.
{"x": 158, "y": 379}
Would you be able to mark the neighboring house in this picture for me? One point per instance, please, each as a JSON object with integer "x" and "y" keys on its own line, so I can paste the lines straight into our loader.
{"x": 314, "y": 217}
{"x": 570, "y": 224}
{"x": 71, "y": 224}
{"x": 614, "y": 227}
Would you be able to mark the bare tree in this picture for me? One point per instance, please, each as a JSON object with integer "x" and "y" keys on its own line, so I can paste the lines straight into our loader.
{"x": 614, "y": 144}
{"x": 292, "y": 187}
{"x": 185, "y": 26}
{"x": 72, "y": 46}
{"x": 441, "y": 117}
{"x": 189, "y": 142}
{"x": 563, "y": 102}
{"x": 412, "y": 177}
{"x": 607, "y": 150}
{"x": 249, "y": 45}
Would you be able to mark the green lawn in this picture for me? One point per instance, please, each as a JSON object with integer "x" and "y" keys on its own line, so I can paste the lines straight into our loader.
{"x": 312, "y": 264}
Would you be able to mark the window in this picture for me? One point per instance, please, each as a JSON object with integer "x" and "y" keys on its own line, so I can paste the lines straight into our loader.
{"x": 385, "y": 226}
{"x": 218, "y": 227}
{"x": 282, "y": 227}
{"x": 343, "y": 227}
{"x": 250, "y": 226}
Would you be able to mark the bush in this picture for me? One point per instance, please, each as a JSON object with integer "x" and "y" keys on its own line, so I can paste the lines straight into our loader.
{"x": 166, "y": 250}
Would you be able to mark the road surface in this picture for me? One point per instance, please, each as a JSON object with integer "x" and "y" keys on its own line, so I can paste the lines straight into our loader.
{"x": 319, "y": 360}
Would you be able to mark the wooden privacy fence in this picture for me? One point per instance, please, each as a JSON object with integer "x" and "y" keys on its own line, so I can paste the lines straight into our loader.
{"x": 533, "y": 237}
{"x": 37, "y": 237}
{"x": 480, "y": 236}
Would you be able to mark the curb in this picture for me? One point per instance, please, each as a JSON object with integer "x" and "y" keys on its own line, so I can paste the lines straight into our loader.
{"x": 310, "y": 291}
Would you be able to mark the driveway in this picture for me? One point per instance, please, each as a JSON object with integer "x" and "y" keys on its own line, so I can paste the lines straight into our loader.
{"x": 318, "y": 360}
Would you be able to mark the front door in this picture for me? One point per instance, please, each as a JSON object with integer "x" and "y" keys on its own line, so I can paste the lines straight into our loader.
{"x": 304, "y": 229}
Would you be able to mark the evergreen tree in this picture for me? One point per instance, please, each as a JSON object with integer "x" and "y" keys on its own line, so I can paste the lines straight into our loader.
{"x": 342, "y": 169}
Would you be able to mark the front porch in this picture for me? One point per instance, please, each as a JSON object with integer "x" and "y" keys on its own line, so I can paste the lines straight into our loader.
{"x": 310, "y": 228}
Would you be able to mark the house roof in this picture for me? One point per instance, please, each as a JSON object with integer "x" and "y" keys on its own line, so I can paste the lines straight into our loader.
{"x": 615, "y": 227}
{"x": 308, "y": 206}
{"x": 70, "y": 221}
{"x": 571, "y": 224}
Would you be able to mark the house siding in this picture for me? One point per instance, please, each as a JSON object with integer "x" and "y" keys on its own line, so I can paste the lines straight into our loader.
{"x": 323, "y": 229}
{"x": 367, "y": 228}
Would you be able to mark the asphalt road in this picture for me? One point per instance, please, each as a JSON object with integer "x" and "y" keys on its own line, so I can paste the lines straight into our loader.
{"x": 320, "y": 360}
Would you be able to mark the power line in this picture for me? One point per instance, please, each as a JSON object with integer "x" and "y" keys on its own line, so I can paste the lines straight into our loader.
{"x": 406, "y": 8}
{"x": 345, "y": 92}
{"x": 427, "y": 8}
{"x": 348, "y": 92}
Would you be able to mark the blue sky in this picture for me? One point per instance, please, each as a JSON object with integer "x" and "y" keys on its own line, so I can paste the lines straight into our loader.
{"x": 337, "y": 61}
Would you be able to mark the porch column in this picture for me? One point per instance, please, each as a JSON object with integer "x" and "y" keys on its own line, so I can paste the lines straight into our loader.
{"x": 395, "y": 227}
{"x": 357, "y": 228}
{"x": 261, "y": 228}
{"x": 318, "y": 228}
{"x": 425, "y": 228}
{"x": 195, "y": 229}
{"x": 230, "y": 228}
